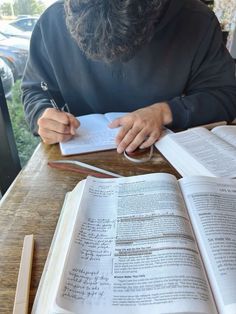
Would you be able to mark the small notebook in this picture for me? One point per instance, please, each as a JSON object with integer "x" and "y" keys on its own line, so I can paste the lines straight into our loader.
{"x": 93, "y": 134}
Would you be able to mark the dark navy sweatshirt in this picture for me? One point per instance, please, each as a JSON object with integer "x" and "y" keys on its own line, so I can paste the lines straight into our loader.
{"x": 186, "y": 64}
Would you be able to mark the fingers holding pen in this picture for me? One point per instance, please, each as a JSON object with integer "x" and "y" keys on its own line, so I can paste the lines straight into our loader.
{"x": 73, "y": 122}
{"x": 54, "y": 120}
{"x": 56, "y": 126}
{"x": 51, "y": 137}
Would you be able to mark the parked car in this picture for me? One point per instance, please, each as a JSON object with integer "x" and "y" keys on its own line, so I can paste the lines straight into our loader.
{"x": 11, "y": 31}
{"x": 25, "y": 24}
{"x": 14, "y": 51}
{"x": 7, "y": 78}
{"x": 22, "y": 16}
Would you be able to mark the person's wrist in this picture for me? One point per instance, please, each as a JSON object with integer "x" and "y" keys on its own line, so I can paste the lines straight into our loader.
{"x": 164, "y": 111}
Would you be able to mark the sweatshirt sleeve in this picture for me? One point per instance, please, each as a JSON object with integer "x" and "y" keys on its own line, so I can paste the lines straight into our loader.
{"x": 210, "y": 93}
{"x": 38, "y": 69}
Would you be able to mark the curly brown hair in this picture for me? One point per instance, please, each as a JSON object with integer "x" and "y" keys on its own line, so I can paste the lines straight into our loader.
{"x": 112, "y": 30}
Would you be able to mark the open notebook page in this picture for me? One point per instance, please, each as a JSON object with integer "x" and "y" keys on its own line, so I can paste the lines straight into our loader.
{"x": 92, "y": 135}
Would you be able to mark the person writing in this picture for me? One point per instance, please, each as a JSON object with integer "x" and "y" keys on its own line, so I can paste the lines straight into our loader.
{"x": 163, "y": 61}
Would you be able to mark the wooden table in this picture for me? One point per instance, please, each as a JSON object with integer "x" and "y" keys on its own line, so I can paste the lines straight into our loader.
{"x": 32, "y": 206}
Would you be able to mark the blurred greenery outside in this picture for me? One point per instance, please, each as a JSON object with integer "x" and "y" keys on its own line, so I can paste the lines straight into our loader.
{"x": 18, "y": 7}
{"x": 25, "y": 141}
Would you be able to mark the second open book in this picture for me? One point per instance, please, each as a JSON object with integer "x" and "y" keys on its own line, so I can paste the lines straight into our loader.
{"x": 199, "y": 151}
{"x": 143, "y": 244}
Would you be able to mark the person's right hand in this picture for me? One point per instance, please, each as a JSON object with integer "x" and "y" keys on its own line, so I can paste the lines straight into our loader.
{"x": 56, "y": 126}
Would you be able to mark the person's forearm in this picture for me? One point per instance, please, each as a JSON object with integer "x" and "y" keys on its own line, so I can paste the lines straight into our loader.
{"x": 204, "y": 107}
{"x": 34, "y": 105}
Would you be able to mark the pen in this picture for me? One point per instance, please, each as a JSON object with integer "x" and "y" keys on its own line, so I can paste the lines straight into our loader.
{"x": 44, "y": 87}
{"x": 65, "y": 165}
{"x": 23, "y": 283}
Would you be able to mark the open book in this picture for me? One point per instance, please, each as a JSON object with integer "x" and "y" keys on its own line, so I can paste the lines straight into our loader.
{"x": 93, "y": 134}
{"x": 143, "y": 244}
{"x": 199, "y": 151}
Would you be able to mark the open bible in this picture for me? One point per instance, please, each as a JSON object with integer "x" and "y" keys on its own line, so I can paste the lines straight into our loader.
{"x": 93, "y": 134}
{"x": 143, "y": 244}
{"x": 199, "y": 151}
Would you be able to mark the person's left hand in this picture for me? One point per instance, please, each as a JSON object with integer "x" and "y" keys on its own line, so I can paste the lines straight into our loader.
{"x": 142, "y": 127}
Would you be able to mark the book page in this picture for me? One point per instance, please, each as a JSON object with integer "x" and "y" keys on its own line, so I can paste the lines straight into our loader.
{"x": 53, "y": 268}
{"x": 199, "y": 151}
{"x": 180, "y": 158}
{"x": 227, "y": 133}
{"x": 133, "y": 251}
{"x": 92, "y": 135}
{"x": 212, "y": 208}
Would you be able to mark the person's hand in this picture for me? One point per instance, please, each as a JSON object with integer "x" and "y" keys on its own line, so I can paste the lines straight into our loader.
{"x": 56, "y": 126}
{"x": 142, "y": 127}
